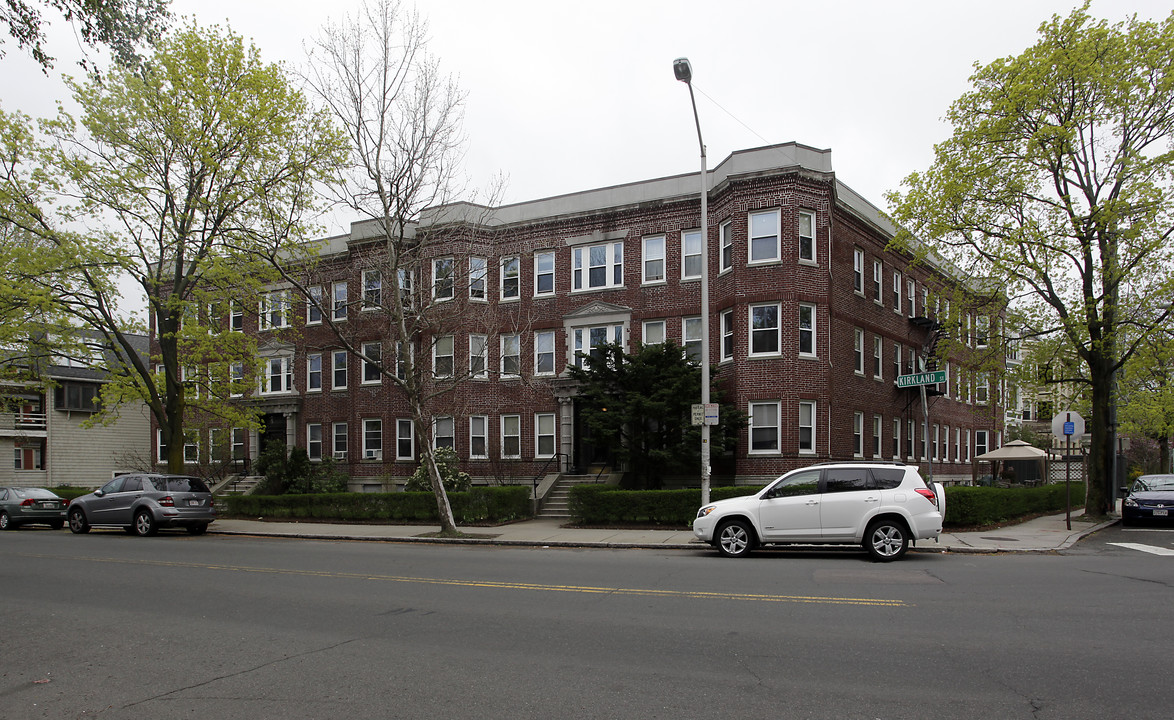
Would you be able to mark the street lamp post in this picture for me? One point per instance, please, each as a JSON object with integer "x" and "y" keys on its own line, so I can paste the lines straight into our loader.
{"x": 684, "y": 72}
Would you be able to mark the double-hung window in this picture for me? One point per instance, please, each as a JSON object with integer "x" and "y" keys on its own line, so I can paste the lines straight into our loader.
{"x": 544, "y": 443}
{"x": 236, "y": 316}
{"x": 806, "y": 330}
{"x": 858, "y": 271}
{"x": 314, "y": 441}
{"x": 691, "y": 254}
{"x": 314, "y": 306}
{"x": 372, "y": 439}
{"x": 764, "y": 329}
{"x": 544, "y": 352}
{"x": 511, "y": 276}
{"x": 544, "y": 273}
{"x": 478, "y": 271}
{"x": 807, "y": 237}
{"x": 877, "y": 425}
{"x": 653, "y": 259}
{"x": 511, "y": 436}
{"x": 764, "y": 427}
{"x": 911, "y": 296}
{"x": 372, "y": 289}
{"x": 274, "y": 311}
{"x": 372, "y": 362}
{"x": 479, "y": 436}
{"x": 405, "y": 439}
{"x": 653, "y": 333}
{"x": 478, "y": 352}
{"x": 314, "y": 372}
{"x": 597, "y": 266}
{"x": 691, "y": 338}
{"x": 878, "y": 353}
{"x": 339, "y": 367}
{"x": 442, "y": 356}
{"x": 511, "y": 355}
{"x": 896, "y": 292}
{"x": 340, "y": 440}
{"x": 858, "y": 434}
{"x": 878, "y": 282}
{"x": 278, "y": 377}
{"x": 764, "y": 236}
{"x": 443, "y": 286}
{"x": 727, "y": 335}
{"x": 726, "y": 238}
{"x": 858, "y": 350}
{"x": 339, "y": 301}
{"x": 807, "y": 427}
{"x": 444, "y": 432}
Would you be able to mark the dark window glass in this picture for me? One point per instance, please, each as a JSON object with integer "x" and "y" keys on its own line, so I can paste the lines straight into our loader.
{"x": 887, "y": 478}
{"x": 847, "y": 479}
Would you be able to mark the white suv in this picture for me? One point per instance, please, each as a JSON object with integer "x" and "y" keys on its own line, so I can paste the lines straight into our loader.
{"x": 881, "y": 506}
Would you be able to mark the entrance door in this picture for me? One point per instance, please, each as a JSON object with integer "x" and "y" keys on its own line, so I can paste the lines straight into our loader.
{"x": 587, "y": 451}
{"x": 272, "y": 431}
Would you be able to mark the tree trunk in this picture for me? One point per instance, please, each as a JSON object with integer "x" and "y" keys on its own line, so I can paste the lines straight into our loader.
{"x": 1100, "y": 460}
{"x": 1164, "y": 455}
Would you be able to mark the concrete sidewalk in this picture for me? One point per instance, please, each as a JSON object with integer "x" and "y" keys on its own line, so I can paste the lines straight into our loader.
{"x": 1044, "y": 534}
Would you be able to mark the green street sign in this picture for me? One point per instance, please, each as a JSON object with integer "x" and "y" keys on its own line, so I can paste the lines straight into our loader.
{"x": 917, "y": 379}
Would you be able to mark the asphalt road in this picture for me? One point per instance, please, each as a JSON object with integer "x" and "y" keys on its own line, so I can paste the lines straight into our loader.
{"x": 113, "y": 626}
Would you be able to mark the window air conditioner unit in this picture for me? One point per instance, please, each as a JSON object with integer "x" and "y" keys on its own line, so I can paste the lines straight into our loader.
{"x": 340, "y": 454}
{"x": 373, "y": 454}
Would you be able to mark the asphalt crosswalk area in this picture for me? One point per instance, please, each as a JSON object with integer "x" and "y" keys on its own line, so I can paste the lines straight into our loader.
{"x": 1154, "y": 541}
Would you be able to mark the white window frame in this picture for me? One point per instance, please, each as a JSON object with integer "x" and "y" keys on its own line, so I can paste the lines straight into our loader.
{"x": 313, "y": 376}
{"x": 444, "y": 427}
{"x": 812, "y": 330}
{"x": 858, "y": 271}
{"x": 544, "y": 268}
{"x": 478, "y": 279}
{"x": 478, "y": 431}
{"x": 772, "y": 433}
{"x": 878, "y": 427}
{"x": 653, "y": 260}
{"x": 808, "y": 217}
{"x": 691, "y": 338}
{"x": 690, "y": 250}
{"x": 911, "y": 296}
{"x": 510, "y": 288}
{"x": 878, "y": 282}
{"x": 544, "y": 347}
{"x": 314, "y": 305}
{"x": 371, "y": 372}
{"x": 809, "y": 424}
{"x": 285, "y": 372}
{"x": 878, "y": 357}
{"x": 444, "y": 286}
{"x": 765, "y": 331}
{"x": 405, "y": 435}
{"x": 896, "y": 438}
{"x": 897, "y": 282}
{"x": 275, "y": 310}
{"x": 336, "y": 367}
{"x": 512, "y": 423}
{"x": 478, "y": 355}
{"x": 582, "y": 265}
{"x": 652, "y": 328}
{"x": 727, "y": 329}
{"x": 443, "y": 346}
{"x": 314, "y": 445}
{"x": 236, "y": 316}
{"x": 543, "y": 435}
{"x": 858, "y": 351}
{"x": 372, "y": 289}
{"x": 372, "y": 438}
{"x": 725, "y": 236}
{"x": 339, "y": 440}
{"x": 771, "y": 241}
{"x": 858, "y": 434}
{"x": 338, "y": 301}
{"x": 511, "y": 347}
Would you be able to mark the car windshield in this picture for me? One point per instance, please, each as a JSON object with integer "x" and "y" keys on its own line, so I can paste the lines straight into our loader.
{"x": 1154, "y": 482}
{"x": 179, "y": 484}
{"x": 33, "y": 493}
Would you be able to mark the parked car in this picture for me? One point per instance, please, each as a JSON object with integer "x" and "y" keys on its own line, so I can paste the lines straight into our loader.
{"x": 142, "y": 504}
{"x": 31, "y": 506}
{"x": 1149, "y": 499}
{"x": 880, "y": 506}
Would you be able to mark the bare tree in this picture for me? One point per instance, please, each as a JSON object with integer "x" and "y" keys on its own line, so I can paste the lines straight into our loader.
{"x": 403, "y": 118}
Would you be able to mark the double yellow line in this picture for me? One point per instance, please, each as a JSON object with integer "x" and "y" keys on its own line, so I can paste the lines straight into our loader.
{"x": 505, "y": 585}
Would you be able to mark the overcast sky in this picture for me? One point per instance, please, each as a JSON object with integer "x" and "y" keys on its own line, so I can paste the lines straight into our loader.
{"x": 564, "y": 97}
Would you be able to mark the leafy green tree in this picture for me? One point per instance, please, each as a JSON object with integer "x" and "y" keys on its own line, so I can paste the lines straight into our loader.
{"x": 1147, "y": 394}
{"x": 641, "y": 406}
{"x": 1056, "y": 186}
{"x": 180, "y": 180}
{"x": 123, "y": 26}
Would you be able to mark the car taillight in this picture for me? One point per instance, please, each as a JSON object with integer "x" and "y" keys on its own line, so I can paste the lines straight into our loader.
{"x": 928, "y": 495}
{"x": 27, "y": 503}
{"x": 167, "y": 501}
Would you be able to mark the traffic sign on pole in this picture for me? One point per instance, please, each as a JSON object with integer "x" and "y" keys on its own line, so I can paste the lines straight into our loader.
{"x": 918, "y": 379}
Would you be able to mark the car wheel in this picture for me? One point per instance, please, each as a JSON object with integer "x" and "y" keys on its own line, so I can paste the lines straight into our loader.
{"x": 57, "y": 524}
{"x": 77, "y": 521}
{"x": 735, "y": 539}
{"x": 145, "y": 525}
{"x": 886, "y": 540}
{"x": 6, "y": 522}
{"x": 199, "y": 529}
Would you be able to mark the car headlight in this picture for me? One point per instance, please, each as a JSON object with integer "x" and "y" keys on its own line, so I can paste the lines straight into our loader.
{"x": 1130, "y": 502}
{"x": 705, "y": 511}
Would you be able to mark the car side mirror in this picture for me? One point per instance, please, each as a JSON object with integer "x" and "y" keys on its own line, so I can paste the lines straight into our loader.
{"x": 98, "y": 493}
{"x": 1124, "y": 489}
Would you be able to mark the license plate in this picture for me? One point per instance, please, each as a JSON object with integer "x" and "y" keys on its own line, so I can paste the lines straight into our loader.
{"x": 194, "y": 502}
{"x": 1161, "y": 512}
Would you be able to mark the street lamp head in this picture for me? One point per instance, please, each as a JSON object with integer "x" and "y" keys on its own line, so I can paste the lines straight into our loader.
{"x": 683, "y": 70}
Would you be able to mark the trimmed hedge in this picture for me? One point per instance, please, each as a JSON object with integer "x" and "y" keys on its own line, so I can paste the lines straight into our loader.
{"x": 479, "y": 505}
{"x": 970, "y": 506}
{"x": 965, "y": 506}
{"x": 608, "y": 505}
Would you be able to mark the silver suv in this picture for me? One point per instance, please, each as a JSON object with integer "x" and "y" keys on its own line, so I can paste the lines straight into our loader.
{"x": 881, "y": 506}
{"x": 144, "y": 503}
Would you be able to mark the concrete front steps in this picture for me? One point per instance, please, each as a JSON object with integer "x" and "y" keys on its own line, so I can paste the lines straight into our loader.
{"x": 557, "y": 503}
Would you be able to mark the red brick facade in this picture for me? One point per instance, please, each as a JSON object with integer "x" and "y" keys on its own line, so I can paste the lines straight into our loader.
{"x": 777, "y": 278}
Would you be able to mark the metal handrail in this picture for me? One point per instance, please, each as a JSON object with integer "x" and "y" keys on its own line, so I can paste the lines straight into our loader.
{"x": 544, "y": 468}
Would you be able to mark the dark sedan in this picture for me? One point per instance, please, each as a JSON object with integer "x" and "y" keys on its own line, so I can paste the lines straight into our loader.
{"x": 1149, "y": 499}
{"x": 28, "y": 506}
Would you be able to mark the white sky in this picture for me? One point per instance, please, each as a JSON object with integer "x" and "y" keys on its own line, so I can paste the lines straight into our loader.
{"x": 564, "y": 97}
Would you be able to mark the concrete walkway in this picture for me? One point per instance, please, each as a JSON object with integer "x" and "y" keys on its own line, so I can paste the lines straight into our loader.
{"x": 1040, "y": 535}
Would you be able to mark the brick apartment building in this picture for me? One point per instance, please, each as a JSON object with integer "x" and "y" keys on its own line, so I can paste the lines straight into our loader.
{"x": 811, "y": 321}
